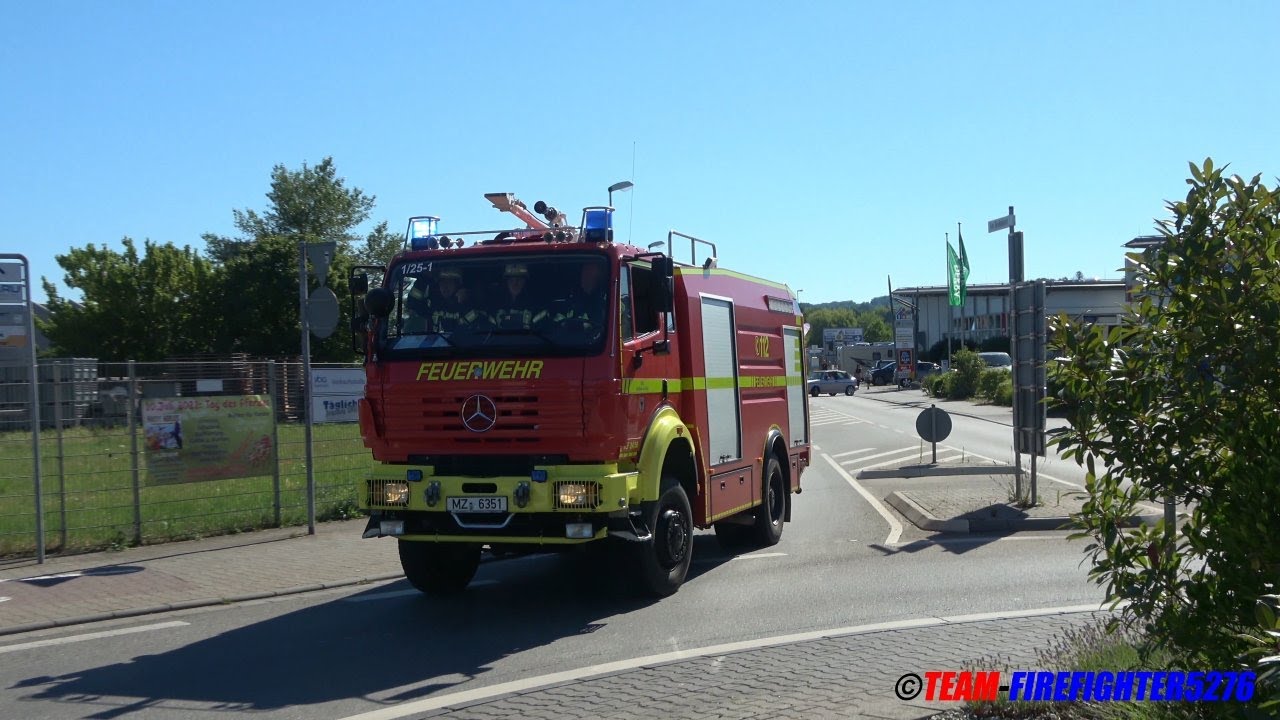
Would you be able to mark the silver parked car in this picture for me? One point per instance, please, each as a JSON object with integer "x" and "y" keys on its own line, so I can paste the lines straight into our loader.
{"x": 831, "y": 382}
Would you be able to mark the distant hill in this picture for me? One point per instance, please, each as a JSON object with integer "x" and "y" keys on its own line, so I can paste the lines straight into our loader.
{"x": 875, "y": 303}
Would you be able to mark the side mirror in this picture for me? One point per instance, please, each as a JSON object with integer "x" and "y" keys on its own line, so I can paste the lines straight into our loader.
{"x": 358, "y": 284}
{"x": 379, "y": 302}
{"x": 663, "y": 272}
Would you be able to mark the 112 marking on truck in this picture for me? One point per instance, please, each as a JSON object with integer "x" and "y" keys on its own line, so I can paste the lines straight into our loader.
{"x": 545, "y": 386}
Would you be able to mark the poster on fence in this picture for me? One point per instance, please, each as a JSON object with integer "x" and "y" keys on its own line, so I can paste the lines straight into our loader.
{"x": 207, "y": 438}
{"x": 335, "y": 394}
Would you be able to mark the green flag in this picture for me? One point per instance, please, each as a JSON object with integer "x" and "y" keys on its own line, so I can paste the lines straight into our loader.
{"x": 955, "y": 278}
{"x": 964, "y": 267}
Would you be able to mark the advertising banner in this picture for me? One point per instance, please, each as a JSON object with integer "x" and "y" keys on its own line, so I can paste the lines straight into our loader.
{"x": 335, "y": 394}
{"x": 208, "y": 438}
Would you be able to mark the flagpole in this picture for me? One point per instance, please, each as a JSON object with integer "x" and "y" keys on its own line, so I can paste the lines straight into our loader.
{"x": 951, "y": 309}
{"x": 964, "y": 296}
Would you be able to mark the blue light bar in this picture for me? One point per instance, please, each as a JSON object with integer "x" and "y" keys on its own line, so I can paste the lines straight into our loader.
{"x": 597, "y": 224}
{"x": 422, "y": 232}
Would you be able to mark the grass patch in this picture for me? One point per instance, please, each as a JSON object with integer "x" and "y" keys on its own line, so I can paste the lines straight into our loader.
{"x": 88, "y": 490}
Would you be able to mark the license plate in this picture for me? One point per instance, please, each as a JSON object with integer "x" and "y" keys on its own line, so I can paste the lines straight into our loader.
{"x": 478, "y": 504}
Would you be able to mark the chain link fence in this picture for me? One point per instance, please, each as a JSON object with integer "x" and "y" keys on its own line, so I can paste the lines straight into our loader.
{"x": 138, "y": 453}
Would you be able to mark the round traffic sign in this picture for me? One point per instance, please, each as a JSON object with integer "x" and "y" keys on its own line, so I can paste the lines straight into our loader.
{"x": 933, "y": 424}
{"x": 322, "y": 312}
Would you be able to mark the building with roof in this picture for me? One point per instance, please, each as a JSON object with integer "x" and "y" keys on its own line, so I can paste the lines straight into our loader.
{"x": 986, "y": 310}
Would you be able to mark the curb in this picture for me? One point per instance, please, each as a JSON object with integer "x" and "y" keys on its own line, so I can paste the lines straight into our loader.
{"x": 870, "y": 396}
{"x": 921, "y": 518}
{"x": 189, "y": 604}
{"x": 915, "y": 471}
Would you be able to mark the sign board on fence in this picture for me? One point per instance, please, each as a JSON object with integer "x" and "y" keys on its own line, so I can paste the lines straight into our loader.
{"x": 335, "y": 394}
{"x": 208, "y": 438}
{"x": 209, "y": 386}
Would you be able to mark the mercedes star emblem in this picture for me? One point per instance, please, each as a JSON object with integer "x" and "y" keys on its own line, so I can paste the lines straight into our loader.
{"x": 479, "y": 413}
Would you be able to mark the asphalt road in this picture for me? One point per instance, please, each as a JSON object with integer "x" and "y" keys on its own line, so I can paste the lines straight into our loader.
{"x": 338, "y": 653}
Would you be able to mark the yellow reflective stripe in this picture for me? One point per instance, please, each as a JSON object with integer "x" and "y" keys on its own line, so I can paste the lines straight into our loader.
{"x": 705, "y": 272}
{"x": 648, "y": 386}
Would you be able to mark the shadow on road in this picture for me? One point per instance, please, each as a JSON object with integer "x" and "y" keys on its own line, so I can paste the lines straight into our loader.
{"x": 385, "y": 650}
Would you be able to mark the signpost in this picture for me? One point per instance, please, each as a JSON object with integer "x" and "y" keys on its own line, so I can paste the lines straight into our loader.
{"x": 18, "y": 346}
{"x": 324, "y": 314}
{"x": 1015, "y": 276}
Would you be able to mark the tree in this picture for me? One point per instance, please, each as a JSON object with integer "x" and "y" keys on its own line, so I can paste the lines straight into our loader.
{"x": 261, "y": 267}
{"x": 143, "y": 308}
{"x": 1180, "y": 403}
{"x": 822, "y": 319}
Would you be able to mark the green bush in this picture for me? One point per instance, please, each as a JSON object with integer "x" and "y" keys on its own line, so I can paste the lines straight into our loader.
{"x": 1180, "y": 402}
{"x": 1004, "y": 392}
{"x": 968, "y": 369}
{"x": 989, "y": 382}
{"x": 933, "y": 385}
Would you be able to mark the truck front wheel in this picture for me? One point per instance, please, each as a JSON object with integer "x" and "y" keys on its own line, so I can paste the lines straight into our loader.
{"x": 439, "y": 568}
{"x": 664, "y": 559}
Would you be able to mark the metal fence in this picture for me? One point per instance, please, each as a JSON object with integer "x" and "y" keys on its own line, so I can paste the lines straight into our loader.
{"x": 114, "y": 473}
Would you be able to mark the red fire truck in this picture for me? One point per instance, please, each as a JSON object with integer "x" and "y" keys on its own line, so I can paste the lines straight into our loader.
{"x": 541, "y": 387}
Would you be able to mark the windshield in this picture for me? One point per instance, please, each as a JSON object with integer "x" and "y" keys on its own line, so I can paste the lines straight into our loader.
{"x": 535, "y": 305}
{"x": 996, "y": 359}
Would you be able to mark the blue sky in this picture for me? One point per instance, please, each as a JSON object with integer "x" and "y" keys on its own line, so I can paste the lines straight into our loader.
{"x": 825, "y": 145}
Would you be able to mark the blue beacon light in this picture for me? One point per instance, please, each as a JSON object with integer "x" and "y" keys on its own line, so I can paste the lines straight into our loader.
{"x": 597, "y": 224}
{"x": 423, "y": 233}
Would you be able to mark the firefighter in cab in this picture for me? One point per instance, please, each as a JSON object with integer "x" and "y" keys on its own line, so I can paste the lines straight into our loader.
{"x": 583, "y": 311}
{"x": 516, "y": 310}
{"x": 448, "y": 308}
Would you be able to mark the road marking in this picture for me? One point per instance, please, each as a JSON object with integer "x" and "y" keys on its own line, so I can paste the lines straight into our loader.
{"x": 895, "y": 528}
{"x": 896, "y": 460}
{"x": 853, "y": 452}
{"x": 759, "y": 555}
{"x": 417, "y": 707}
{"x": 879, "y": 455}
{"x": 90, "y": 636}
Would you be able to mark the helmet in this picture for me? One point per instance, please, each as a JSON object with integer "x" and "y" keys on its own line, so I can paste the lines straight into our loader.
{"x": 516, "y": 270}
{"x": 450, "y": 274}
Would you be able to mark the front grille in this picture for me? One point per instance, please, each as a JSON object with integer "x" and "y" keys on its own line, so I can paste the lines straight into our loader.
{"x": 592, "y": 496}
{"x": 377, "y": 496}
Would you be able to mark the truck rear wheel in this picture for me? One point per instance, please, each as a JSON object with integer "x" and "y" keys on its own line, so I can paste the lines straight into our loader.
{"x": 663, "y": 560}
{"x": 773, "y": 505}
{"x": 439, "y": 568}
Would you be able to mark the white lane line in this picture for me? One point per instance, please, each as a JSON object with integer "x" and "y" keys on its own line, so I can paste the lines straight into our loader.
{"x": 880, "y": 455}
{"x": 853, "y": 452}
{"x": 895, "y": 528}
{"x": 90, "y": 636}
{"x": 758, "y": 555}
{"x": 416, "y": 707}
{"x": 898, "y": 460}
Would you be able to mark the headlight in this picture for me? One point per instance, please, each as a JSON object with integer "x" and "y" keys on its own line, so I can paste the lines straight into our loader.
{"x": 577, "y": 494}
{"x": 395, "y": 493}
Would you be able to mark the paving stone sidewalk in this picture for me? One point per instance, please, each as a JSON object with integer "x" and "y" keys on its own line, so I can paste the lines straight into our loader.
{"x": 851, "y": 676}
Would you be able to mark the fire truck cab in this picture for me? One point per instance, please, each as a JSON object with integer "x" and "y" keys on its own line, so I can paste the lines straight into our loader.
{"x": 546, "y": 386}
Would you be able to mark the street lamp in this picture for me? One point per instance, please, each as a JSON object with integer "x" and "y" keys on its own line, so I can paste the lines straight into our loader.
{"x": 619, "y": 187}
